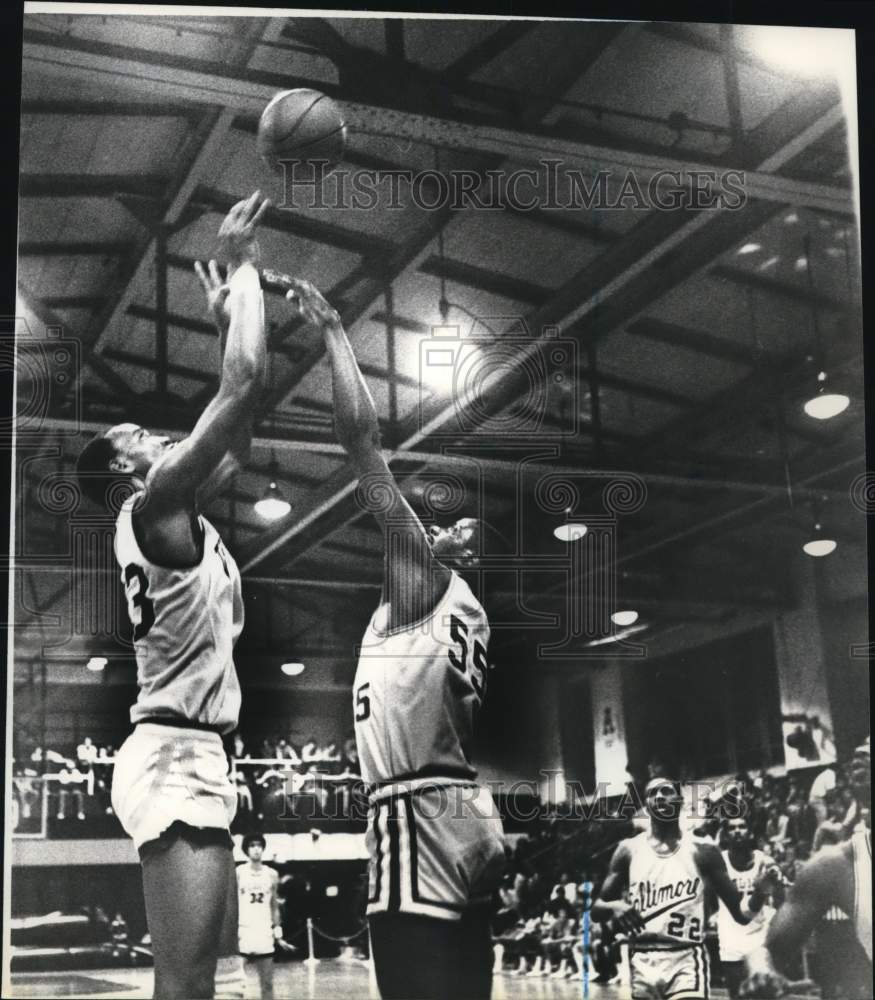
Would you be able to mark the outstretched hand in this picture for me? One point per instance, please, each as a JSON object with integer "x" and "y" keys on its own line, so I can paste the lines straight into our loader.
{"x": 237, "y": 233}
{"x": 311, "y": 304}
{"x": 217, "y": 293}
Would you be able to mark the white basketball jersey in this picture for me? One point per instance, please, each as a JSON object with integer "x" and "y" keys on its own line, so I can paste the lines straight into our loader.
{"x": 186, "y": 622}
{"x": 668, "y": 891}
{"x": 417, "y": 690}
{"x": 739, "y": 940}
{"x": 862, "y": 842}
{"x": 255, "y": 914}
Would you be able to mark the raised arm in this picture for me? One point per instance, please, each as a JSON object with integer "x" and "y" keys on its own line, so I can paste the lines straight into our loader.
{"x": 173, "y": 483}
{"x": 237, "y": 455}
{"x": 414, "y": 580}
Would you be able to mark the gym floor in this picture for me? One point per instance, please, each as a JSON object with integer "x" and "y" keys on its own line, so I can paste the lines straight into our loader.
{"x": 331, "y": 978}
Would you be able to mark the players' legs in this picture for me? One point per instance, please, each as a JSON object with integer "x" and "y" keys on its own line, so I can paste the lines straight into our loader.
{"x": 186, "y": 879}
{"x": 414, "y": 957}
{"x": 263, "y": 966}
{"x": 474, "y": 943}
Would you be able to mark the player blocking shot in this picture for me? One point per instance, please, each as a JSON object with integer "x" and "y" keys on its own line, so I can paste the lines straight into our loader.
{"x": 435, "y": 841}
{"x": 171, "y": 788}
{"x": 666, "y": 875}
{"x": 260, "y": 926}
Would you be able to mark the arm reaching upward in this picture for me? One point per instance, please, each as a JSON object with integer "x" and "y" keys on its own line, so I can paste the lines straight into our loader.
{"x": 414, "y": 580}
{"x": 174, "y": 481}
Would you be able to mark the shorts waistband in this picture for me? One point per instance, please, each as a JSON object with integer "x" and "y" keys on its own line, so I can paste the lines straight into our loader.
{"x": 415, "y": 786}
{"x": 166, "y": 721}
{"x": 635, "y": 948}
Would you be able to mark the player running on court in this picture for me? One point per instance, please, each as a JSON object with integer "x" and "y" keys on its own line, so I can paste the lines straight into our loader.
{"x": 434, "y": 837}
{"x": 260, "y": 928}
{"x": 171, "y": 789}
{"x": 667, "y": 875}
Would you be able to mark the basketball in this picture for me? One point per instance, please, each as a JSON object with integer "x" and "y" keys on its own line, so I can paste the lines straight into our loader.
{"x": 301, "y": 125}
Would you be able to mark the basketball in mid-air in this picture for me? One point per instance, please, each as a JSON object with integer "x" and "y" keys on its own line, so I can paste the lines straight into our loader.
{"x": 302, "y": 126}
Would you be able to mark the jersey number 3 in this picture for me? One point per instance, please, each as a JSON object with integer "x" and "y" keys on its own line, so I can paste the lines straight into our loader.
{"x": 140, "y": 606}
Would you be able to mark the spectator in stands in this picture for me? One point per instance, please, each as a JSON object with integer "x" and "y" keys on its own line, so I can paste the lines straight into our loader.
{"x": 560, "y": 933}
{"x": 831, "y": 829}
{"x": 310, "y": 752}
{"x": 776, "y": 826}
{"x": 86, "y": 753}
{"x": 70, "y": 779}
{"x": 350, "y": 757}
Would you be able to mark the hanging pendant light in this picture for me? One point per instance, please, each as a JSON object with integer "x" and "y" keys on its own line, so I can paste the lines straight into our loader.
{"x": 823, "y": 404}
{"x": 820, "y": 544}
{"x": 273, "y": 505}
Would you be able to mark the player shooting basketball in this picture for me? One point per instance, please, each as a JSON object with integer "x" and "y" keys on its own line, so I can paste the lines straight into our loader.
{"x": 434, "y": 837}
{"x": 171, "y": 789}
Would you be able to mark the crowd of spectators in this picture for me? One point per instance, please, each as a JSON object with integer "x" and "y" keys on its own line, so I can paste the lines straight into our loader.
{"x": 319, "y": 774}
{"x": 314, "y": 776}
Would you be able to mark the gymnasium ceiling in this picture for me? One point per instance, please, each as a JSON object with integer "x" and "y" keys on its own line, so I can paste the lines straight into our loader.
{"x": 690, "y": 330}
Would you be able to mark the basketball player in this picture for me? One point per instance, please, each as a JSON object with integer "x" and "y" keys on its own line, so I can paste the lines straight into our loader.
{"x": 748, "y": 868}
{"x": 434, "y": 837}
{"x": 171, "y": 789}
{"x": 838, "y": 875}
{"x": 260, "y": 927}
{"x": 667, "y": 875}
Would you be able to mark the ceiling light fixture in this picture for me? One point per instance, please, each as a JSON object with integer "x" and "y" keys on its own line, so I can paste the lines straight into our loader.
{"x": 273, "y": 505}
{"x": 292, "y": 669}
{"x": 624, "y": 617}
{"x": 571, "y": 531}
{"x": 96, "y": 663}
{"x": 822, "y": 404}
{"x": 820, "y": 544}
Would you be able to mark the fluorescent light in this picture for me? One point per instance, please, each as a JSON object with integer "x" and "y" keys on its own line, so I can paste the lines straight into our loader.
{"x": 825, "y": 405}
{"x": 96, "y": 663}
{"x": 292, "y": 669}
{"x": 819, "y": 547}
{"x": 570, "y": 532}
{"x": 624, "y": 617}
{"x": 749, "y": 248}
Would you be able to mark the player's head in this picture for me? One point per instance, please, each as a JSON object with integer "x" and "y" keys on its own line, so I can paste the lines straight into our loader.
{"x": 125, "y": 452}
{"x": 738, "y": 833}
{"x": 465, "y": 541}
{"x": 663, "y": 799}
{"x": 253, "y": 846}
{"x": 460, "y": 541}
{"x": 861, "y": 773}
